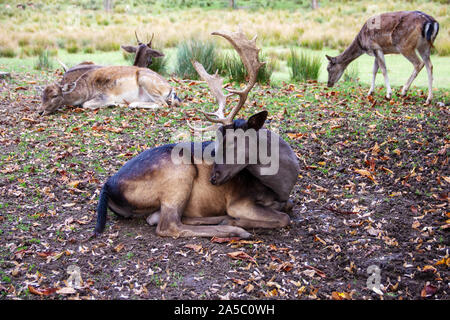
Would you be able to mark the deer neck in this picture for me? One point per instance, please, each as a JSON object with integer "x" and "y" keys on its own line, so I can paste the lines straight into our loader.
{"x": 353, "y": 51}
{"x": 280, "y": 175}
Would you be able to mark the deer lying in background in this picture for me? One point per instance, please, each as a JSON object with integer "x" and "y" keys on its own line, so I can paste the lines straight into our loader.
{"x": 93, "y": 86}
{"x": 401, "y": 32}
{"x": 143, "y": 53}
{"x": 200, "y": 197}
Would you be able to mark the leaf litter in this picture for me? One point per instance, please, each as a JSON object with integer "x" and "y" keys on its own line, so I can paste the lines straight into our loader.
{"x": 373, "y": 190}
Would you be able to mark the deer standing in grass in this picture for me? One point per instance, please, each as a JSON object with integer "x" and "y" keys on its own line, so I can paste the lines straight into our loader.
{"x": 204, "y": 197}
{"x": 401, "y": 32}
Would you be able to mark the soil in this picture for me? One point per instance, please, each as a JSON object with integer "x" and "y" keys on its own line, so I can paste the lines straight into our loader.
{"x": 367, "y": 203}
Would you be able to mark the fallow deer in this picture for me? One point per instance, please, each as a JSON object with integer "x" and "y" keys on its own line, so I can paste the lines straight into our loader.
{"x": 143, "y": 52}
{"x": 201, "y": 197}
{"x": 94, "y": 87}
{"x": 401, "y": 32}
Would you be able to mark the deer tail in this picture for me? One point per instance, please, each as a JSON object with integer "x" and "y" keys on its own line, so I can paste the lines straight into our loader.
{"x": 430, "y": 31}
{"x": 102, "y": 209}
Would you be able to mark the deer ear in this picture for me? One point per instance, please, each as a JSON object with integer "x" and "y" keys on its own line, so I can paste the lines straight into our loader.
{"x": 157, "y": 54}
{"x": 331, "y": 59}
{"x": 129, "y": 49}
{"x": 257, "y": 120}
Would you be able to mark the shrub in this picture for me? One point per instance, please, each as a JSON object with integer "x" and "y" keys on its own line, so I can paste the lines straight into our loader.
{"x": 7, "y": 52}
{"x": 265, "y": 72}
{"x": 73, "y": 48}
{"x": 303, "y": 66}
{"x": 443, "y": 47}
{"x": 88, "y": 50}
{"x": 203, "y": 52}
{"x": 43, "y": 61}
{"x": 159, "y": 65}
{"x": 232, "y": 66}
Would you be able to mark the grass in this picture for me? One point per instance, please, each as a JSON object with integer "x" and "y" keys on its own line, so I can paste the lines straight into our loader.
{"x": 303, "y": 66}
{"x": 399, "y": 69}
{"x": 44, "y": 61}
{"x": 60, "y": 24}
{"x": 196, "y": 50}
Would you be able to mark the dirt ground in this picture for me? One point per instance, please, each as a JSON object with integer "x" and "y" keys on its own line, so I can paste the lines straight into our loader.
{"x": 371, "y": 205}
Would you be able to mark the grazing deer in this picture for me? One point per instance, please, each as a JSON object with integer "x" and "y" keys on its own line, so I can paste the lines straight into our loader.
{"x": 401, "y": 32}
{"x": 199, "y": 197}
{"x": 143, "y": 52}
{"x": 93, "y": 86}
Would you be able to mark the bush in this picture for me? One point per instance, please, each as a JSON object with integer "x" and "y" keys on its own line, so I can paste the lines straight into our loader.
{"x": 195, "y": 50}
{"x": 7, "y": 52}
{"x": 43, "y": 61}
{"x": 303, "y": 66}
{"x": 231, "y": 65}
{"x": 443, "y": 47}
{"x": 159, "y": 65}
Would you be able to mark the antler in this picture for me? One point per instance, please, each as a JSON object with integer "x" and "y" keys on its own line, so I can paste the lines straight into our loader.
{"x": 150, "y": 43}
{"x": 135, "y": 34}
{"x": 248, "y": 52}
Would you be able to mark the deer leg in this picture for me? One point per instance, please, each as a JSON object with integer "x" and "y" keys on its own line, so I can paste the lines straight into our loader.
{"x": 95, "y": 103}
{"x": 426, "y": 59}
{"x": 249, "y": 215}
{"x": 382, "y": 64}
{"x": 170, "y": 225}
{"x": 418, "y": 65}
{"x": 374, "y": 76}
{"x": 144, "y": 105}
{"x": 223, "y": 220}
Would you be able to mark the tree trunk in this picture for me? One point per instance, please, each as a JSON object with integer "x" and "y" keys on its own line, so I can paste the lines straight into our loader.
{"x": 232, "y": 4}
{"x": 108, "y": 5}
{"x": 315, "y": 4}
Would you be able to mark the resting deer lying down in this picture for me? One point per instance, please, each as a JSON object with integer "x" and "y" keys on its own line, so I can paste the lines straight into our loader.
{"x": 401, "y": 32}
{"x": 93, "y": 86}
{"x": 202, "y": 196}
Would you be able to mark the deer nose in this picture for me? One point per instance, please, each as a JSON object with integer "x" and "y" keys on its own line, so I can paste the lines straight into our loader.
{"x": 214, "y": 177}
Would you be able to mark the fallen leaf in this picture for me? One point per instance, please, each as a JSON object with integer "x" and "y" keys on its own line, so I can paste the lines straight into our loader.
{"x": 42, "y": 292}
{"x": 366, "y": 174}
{"x": 428, "y": 290}
{"x": 196, "y": 247}
{"x": 222, "y": 240}
{"x": 119, "y": 247}
{"x": 66, "y": 290}
{"x": 335, "y": 295}
{"x": 240, "y": 255}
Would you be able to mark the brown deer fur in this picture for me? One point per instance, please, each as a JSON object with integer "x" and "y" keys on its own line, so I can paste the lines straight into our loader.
{"x": 401, "y": 32}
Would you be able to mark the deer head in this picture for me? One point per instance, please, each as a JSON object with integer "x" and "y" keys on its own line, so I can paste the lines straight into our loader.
{"x": 144, "y": 52}
{"x": 335, "y": 70}
{"x": 52, "y": 99}
{"x": 248, "y": 53}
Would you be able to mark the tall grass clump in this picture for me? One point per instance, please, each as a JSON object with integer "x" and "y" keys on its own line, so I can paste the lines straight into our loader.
{"x": 232, "y": 66}
{"x": 44, "y": 61}
{"x": 303, "y": 66}
{"x": 7, "y": 52}
{"x": 195, "y": 50}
